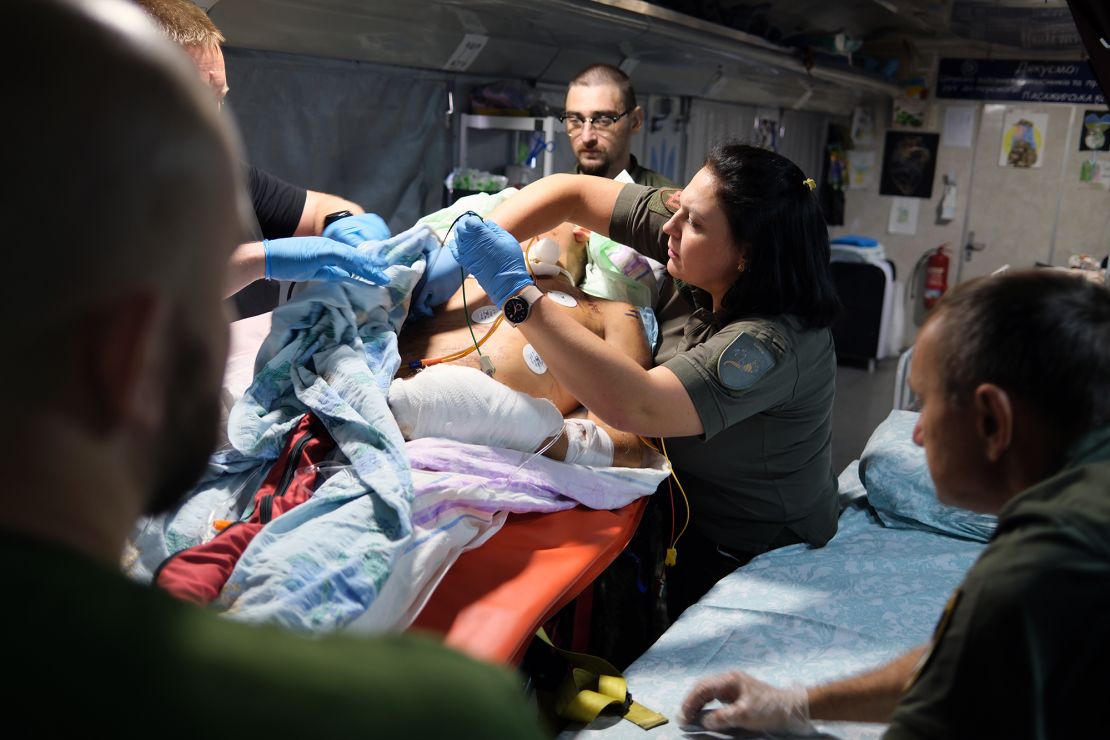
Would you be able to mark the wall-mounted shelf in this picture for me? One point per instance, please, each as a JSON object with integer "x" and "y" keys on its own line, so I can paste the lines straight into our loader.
{"x": 509, "y": 123}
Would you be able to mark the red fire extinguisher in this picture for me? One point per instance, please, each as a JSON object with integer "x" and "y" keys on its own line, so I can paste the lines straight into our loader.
{"x": 936, "y": 276}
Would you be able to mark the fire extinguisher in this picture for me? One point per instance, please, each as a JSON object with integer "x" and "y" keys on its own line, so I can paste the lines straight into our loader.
{"x": 936, "y": 276}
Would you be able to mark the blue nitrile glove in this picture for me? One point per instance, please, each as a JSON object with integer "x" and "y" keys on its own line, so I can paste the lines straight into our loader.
{"x": 491, "y": 255}
{"x": 317, "y": 258}
{"x": 441, "y": 279}
{"x": 354, "y": 230}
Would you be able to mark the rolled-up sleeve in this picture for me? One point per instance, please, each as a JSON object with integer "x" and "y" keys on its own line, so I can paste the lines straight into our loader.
{"x": 638, "y": 218}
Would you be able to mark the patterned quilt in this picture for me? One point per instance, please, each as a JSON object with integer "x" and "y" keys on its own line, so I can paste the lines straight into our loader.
{"x": 804, "y": 615}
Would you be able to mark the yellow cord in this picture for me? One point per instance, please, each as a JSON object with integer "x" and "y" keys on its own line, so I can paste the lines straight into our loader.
{"x": 685, "y": 499}
{"x": 672, "y": 551}
{"x": 428, "y": 362}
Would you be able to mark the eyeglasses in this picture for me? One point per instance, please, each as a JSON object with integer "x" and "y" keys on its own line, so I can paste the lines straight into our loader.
{"x": 602, "y": 121}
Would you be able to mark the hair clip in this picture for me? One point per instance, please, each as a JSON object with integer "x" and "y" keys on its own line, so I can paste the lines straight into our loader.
{"x": 809, "y": 183}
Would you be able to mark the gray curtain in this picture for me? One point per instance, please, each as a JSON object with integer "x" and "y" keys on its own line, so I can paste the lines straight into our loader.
{"x": 373, "y": 134}
{"x": 802, "y": 138}
{"x": 709, "y": 123}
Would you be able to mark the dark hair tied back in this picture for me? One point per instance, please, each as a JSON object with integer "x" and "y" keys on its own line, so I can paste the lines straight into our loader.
{"x": 774, "y": 216}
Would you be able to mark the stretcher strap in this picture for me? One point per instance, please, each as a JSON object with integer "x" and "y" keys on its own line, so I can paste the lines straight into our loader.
{"x": 593, "y": 685}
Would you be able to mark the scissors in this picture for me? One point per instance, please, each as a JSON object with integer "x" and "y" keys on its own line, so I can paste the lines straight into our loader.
{"x": 538, "y": 145}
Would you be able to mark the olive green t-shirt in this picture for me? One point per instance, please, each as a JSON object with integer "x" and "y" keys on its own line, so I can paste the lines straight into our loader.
{"x": 112, "y": 658}
{"x": 763, "y": 387}
{"x": 1023, "y": 648}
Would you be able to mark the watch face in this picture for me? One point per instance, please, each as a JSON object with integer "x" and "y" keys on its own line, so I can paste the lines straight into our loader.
{"x": 516, "y": 309}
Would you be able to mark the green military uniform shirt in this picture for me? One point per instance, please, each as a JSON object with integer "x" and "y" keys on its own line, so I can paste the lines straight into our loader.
{"x": 642, "y": 175}
{"x": 763, "y": 388}
{"x": 110, "y": 658}
{"x": 1023, "y": 648}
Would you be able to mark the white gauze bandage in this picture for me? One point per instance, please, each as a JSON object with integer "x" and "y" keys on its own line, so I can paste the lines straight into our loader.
{"x": 544, "y": 257}
{"x": 466, "y": 405}
{"x": 587, "y": 444}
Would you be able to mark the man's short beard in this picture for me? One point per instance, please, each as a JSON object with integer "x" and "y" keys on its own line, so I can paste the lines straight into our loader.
{"x": 601, "y": 169}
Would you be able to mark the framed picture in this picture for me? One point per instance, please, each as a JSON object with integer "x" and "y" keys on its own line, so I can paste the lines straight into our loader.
{"x": 909, "y": 164}
{"x": 1023, "y": 137}
{"x": 1094, "y": 133}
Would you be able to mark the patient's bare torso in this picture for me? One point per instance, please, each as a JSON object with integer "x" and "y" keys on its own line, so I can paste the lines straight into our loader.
{"x": 446, "y": 332}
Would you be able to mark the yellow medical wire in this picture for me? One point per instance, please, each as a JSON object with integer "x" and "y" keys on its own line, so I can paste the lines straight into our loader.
{"x": 685, "y": 500}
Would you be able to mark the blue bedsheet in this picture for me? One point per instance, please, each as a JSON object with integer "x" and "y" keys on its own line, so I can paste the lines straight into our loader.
{"x": 804, "y": 615}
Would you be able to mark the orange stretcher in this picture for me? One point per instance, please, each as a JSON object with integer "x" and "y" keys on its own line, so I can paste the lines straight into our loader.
{"x": 494, "y": 598}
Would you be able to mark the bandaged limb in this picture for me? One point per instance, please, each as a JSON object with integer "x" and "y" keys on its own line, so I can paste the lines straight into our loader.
{"x": 587, "y": 444}
{"x": 466, "y": 405}
{"x": 610, "y": 448}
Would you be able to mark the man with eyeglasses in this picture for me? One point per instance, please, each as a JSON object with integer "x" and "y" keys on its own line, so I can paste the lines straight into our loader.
{"x": 300, "y": 234}
{"x": 600, "y": 117}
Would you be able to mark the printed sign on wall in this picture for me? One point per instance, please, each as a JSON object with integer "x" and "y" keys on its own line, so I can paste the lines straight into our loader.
{"x": 1037, "y": 81}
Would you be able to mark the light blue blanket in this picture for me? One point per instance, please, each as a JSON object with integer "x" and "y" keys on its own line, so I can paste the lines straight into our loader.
{"x": 333, "y": 351}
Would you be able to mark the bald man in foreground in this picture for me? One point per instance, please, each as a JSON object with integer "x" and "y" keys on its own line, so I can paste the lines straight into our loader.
{"x": 115, "y": 389}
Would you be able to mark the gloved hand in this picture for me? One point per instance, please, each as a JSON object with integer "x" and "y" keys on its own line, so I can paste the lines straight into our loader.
{"x": 748, "y": 703}
{"x": 441, "y": 279}
{"x": 354, "y": 230}
{"x": 317, "y": 258}
{"x": 491, "y": 255}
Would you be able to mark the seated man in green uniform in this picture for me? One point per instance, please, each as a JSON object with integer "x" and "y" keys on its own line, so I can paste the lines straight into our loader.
{"x": 1014, "y": 376}
{"x": 118, "y": 350}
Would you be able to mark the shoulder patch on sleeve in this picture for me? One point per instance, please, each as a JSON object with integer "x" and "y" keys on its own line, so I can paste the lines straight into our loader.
{"x": 665, "y": 201}
{"x": 938, "y": 635}
{"x": 743, "y": 362}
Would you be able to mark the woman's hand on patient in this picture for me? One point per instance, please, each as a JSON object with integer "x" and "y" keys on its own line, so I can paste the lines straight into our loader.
{"x": 747, "y": 703}
{"x": 318, "y": 258}
{"x": 491, "y": 255}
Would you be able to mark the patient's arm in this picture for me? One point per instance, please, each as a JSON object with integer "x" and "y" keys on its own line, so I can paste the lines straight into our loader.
{"x": 628, "y": 450}
{"x": 622, "y": 328}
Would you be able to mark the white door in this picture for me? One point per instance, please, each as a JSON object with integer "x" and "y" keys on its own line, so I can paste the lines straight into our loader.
{"x": 1024, "y": 215}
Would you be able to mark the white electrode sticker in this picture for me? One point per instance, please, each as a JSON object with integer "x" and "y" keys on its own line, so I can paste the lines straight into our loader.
{"x": 533, "y": 360}
{"x": 563, "y": 299}
{"x": 485, "y": 315}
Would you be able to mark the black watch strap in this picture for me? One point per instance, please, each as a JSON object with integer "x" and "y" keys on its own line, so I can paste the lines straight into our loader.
{"x": 333, "y": 217}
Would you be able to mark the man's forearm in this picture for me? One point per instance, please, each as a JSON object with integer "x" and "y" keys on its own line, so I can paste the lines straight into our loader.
{"x": 317, "y": 207}
{"x": 247, "y": 264}
{"x": 869, "y": 697}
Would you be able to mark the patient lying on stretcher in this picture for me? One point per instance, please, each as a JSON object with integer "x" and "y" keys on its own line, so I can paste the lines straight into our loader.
{"x": 522, "y": 406}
